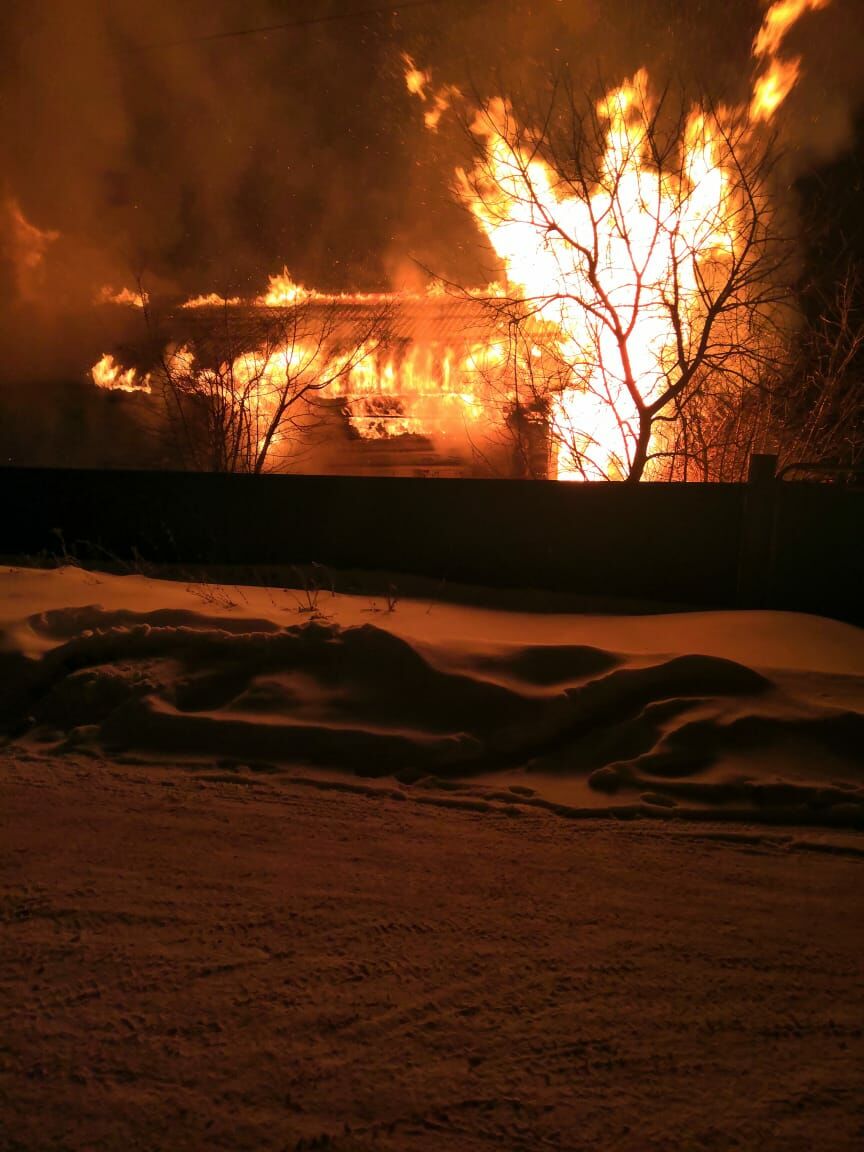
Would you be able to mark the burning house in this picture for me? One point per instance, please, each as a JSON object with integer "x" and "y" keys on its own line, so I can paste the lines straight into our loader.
{"x": 396, "y": 384}
{"x": 638, "y": 304}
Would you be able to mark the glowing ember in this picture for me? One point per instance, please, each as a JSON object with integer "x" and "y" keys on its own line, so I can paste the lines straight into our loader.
{"x": 107, "y": 373}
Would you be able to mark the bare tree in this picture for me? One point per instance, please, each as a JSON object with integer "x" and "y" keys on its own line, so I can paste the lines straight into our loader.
{"x": 819, "y": 409}
{"x": 646, "y": 276}
{"x": 247, "y": 389}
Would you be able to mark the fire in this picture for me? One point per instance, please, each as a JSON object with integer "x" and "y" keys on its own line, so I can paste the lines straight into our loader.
{"x": 282, "y": 292}
{"x": 779, "y": 76}
{"x": 773, "y": 86}
{"x": 109, "y": 295}
{"x": 596, "y": 262}
{"x": 424, "y": 390}
{"x": 598, "y": 271}
{"x": 429, "y": 390}
{"x": 416, "y": 80}
{"x": 212, "y": 300}
{"x": 778, "y": 21}
{"x": 609, "y": 277}
{"x": 437, "y": 101}
{"x": 107, "y": 373}
{"x": 253, "y": 380}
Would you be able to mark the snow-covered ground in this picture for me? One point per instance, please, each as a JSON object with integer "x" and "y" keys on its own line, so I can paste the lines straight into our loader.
{"x": 734, "y": 716}
{"x": 277, "y": 878}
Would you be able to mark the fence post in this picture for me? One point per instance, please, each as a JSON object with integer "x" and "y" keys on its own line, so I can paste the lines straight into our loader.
{"x": 756, "y": 558}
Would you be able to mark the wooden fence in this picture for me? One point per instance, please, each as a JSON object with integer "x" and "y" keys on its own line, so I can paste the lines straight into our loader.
{"x": 768, "y": 543}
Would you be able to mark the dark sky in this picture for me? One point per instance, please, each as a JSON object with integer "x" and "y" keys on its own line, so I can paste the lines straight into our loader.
{"x": 211, "y": 164}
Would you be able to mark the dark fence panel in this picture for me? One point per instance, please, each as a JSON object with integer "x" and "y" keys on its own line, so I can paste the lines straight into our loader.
{"x": 678, "y": 543}
{"x": 819, "y": 549}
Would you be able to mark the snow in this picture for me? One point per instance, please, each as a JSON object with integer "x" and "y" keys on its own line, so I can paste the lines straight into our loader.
{"x": 288, "y": 871}
{"x": 734, "y": 716}
{"x": 197, "y": 961}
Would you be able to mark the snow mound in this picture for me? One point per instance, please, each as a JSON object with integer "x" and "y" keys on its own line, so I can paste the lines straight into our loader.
{"x": 583, "y": 728}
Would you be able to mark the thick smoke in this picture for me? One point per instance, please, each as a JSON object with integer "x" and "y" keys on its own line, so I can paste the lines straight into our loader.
{"x": 205, "y": 165}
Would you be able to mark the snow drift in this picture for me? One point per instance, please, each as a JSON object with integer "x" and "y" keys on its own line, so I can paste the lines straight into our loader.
{"x": 747, "y": 716}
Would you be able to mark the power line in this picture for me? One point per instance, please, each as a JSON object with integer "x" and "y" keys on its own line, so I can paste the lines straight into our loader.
{"x": 305, "y": 22}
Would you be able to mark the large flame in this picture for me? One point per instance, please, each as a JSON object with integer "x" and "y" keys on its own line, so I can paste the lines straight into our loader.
{"x": 613, "y": 274}
{"x": 778, "y": 21}
{"x": 249, "y": 391}
{"x": 599, "y": 270}
{"x": 598, "y": 262}
{"x": 426, "y": 390}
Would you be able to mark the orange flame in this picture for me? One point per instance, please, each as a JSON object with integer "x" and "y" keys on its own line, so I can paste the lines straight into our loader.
{"x": 282, "y": 292}
{"x": 107, "y": 373}
{"x": 778, "y": 76}
{"x": 778, "y": 21}
{"x": 634, "y": 240}
{"x": 429, "y": 390}
{"x": 626, "y": 249}
{"x": 773, "y": 86}
{"x": 416, "y": 80}
{"x": 212, "y": 300}
{"x": 437, "y": 101}
{"x": 109, "y": 295}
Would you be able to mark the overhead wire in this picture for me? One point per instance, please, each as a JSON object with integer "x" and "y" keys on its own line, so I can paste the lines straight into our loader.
{"x": 302, "y": 22}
